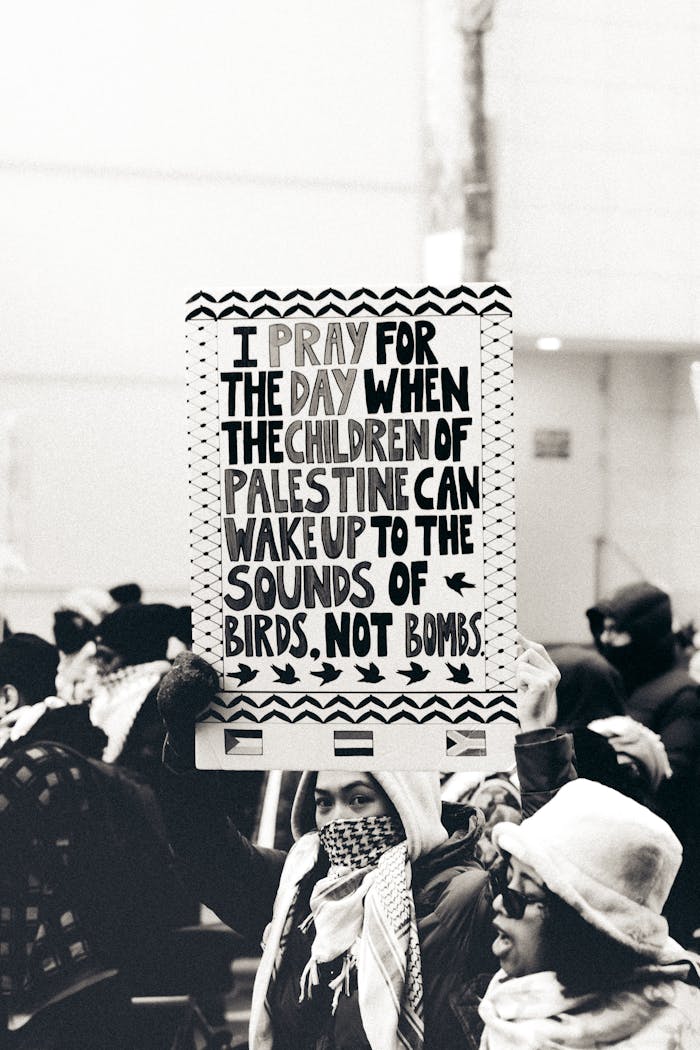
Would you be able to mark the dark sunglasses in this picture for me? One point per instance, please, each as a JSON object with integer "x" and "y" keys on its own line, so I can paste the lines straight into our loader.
{"x": 514, "y": 902}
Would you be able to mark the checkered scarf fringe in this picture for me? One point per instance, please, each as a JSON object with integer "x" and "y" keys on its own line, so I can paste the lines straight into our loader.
{"x": 365, "y": 914}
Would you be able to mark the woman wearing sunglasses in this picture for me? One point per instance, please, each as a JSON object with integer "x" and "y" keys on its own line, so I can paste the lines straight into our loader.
{"x": 585, "y": 956}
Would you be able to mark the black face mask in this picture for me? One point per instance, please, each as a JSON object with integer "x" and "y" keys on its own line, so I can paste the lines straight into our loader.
{"x": 624, "y": 658}
{"x": 640, "y": 661}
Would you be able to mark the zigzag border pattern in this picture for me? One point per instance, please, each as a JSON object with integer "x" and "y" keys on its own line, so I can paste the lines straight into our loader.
{"x": 498, "y": 496}
{"x": 463, "y": 299}
{"x": 399, "y": 708}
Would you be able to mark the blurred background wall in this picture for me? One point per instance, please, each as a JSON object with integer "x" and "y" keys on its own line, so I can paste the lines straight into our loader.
{"x": 155, "y": 148}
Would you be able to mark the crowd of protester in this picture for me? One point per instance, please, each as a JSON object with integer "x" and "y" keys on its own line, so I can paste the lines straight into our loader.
{"x": 555, "y": 903}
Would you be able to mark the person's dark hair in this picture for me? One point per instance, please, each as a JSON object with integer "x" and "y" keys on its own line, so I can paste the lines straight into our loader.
{"x": 29, "y": 663}
{"x": 582, "y": 956}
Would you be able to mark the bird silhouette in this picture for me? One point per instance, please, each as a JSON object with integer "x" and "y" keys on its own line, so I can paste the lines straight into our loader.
{"x": 244, "y": 674}
{"x": 416, "y": 674}
{"x": 285, "y": 674}
{"x": 459, "y": 674}
{"x": 328, "y": 674}
{"x": 370, "y": 674}
{"x": 456, "y": 582}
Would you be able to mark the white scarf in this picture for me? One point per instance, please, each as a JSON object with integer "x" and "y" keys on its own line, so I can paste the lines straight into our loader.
{"x": 655, "y": 1011}
{"x": 118, "y": 700}
{"x": 17, "y": 723}
{"x": 365, "y": 915}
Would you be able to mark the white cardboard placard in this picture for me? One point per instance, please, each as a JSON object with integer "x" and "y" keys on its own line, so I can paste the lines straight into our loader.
{"x": 352, "y": 527}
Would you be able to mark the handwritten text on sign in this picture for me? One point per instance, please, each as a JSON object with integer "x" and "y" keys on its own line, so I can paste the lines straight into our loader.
{"x": 351, "y": 478}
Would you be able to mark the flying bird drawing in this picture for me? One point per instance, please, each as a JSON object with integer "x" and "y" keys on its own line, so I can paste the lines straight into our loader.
{"x": 416, "y": 674}
{"x": 459, "y": 674}
{"x": 244, "y": 674}
{"x": 370, "y": 674}
{"x": 456, "y": 582}
{"x": 328, "y": 674}
{"x": 285, "y": 674}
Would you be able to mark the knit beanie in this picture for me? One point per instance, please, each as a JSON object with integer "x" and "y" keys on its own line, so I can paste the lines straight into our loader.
{"x": 77, "y": 616}
{"x": 608, "y": 857}
{"x": 140, "y": 633}
{"x": 414, "y": 796}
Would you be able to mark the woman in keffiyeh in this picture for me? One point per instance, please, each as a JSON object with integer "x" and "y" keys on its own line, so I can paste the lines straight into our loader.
{"x": 374, "y": 917}
{"x": 343, "y": 940}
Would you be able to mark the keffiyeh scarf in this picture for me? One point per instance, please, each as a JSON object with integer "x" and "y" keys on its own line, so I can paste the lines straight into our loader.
{"x": 118, "y": 700}
{"x": 363, "y": 913}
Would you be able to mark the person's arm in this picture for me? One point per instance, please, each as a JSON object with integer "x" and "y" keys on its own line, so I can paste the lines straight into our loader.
{"x": 234, "y": 878}
{"x": 544, "y": 755}
{"x": 545, "y": 761}
{"x": 237, "y": 880}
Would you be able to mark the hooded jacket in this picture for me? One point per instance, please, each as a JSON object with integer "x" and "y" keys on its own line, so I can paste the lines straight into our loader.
{"x": 662, "y": 695}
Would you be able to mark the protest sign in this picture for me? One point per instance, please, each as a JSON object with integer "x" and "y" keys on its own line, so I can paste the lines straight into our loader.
{"x": 352, "y": 527}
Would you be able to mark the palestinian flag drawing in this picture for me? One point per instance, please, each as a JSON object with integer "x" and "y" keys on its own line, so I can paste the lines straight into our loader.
{"x": 353, "y": 742}
{"x": 243, "y": 741}
{"x": 467, "y": 743}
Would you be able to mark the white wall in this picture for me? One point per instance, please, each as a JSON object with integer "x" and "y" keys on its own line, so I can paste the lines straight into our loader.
{"x": 633, "y": 477}
{"x": 595, "y": 115}
{"x": 594, "y": 112}
{"x": 150, "y": 150}
{"x": 684, "y": 498}
{"x": 559, "y": 502}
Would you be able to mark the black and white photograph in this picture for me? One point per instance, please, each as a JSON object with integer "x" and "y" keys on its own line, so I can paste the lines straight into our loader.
{"x": 350, "y": 526}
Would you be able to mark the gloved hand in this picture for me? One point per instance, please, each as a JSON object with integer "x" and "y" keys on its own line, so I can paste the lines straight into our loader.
{"x": 188, "y": 688}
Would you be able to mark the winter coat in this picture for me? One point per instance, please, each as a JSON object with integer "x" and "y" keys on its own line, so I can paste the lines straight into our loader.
{"x": 87, "y": 886}
{"x": 661, "y": 693}
{"x": 451, "y": 891}
{"x": 52, "y": 719}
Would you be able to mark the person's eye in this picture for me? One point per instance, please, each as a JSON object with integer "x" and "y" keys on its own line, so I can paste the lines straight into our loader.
{"x": 323, "y": 803}
{"x": 361, "y": 800}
